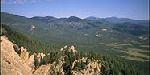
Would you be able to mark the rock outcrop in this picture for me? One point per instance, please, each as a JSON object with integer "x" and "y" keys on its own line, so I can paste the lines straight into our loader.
{"x": 39, "y": 56}
{"x": 92, "y": 67}
{"x": 43, "y": 70}
{"x": 72, "y": 49}
{"x": 13, "y": 63}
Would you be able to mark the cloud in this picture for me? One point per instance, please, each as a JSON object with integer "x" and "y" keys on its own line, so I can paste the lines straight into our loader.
{"x": 20, "y": 1}
{"x": 13, "y": 1}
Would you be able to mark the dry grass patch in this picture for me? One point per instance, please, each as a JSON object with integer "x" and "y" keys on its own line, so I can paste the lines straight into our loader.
{"x": 135, "y": 54}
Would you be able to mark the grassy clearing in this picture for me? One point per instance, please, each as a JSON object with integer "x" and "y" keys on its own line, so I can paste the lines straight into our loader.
{"x": 134, "y": 58}
{"x": 118, "y": 46}
{"x": 136, "y": 54}
{"x": 144, "y": 46}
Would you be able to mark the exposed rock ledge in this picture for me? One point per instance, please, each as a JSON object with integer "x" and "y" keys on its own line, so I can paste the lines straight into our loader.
{"x": 11, "y": 62}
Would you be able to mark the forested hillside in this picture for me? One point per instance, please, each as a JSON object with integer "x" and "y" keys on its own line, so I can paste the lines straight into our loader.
{"x": 109, "y": 65}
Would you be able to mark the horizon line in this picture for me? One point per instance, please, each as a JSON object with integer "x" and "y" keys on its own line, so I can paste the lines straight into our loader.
{"x": 72, "y": 15}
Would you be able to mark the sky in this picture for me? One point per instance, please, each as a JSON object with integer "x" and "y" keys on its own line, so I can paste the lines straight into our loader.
{"x": 134, "y": 9}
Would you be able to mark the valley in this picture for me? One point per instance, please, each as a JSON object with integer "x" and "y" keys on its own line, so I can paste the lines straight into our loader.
{"x": 119, "y": 38}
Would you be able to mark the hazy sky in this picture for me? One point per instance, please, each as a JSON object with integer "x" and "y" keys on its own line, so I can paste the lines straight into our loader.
{"x": 134, "y": 9}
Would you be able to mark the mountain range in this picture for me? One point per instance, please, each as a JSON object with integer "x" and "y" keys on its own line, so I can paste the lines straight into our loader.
{"x": 125, "y": 38}
{"x": 91, "y": 30}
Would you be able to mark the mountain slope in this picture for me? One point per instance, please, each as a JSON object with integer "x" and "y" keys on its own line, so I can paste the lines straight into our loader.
{"x": 67, "y": 61}
{"x": 88, "y": 34}
{"x": 128, "y": 41}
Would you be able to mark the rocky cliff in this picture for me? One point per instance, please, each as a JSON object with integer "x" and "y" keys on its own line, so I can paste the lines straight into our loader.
{"x": 11, "y": 62}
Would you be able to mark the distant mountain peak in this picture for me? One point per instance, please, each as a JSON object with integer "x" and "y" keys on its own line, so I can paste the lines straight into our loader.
{"x": 40, "y": 17}
{"x": 45, "y": 19}
{"x": 73, "y": 18}
{"x": 50, "y": 17}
